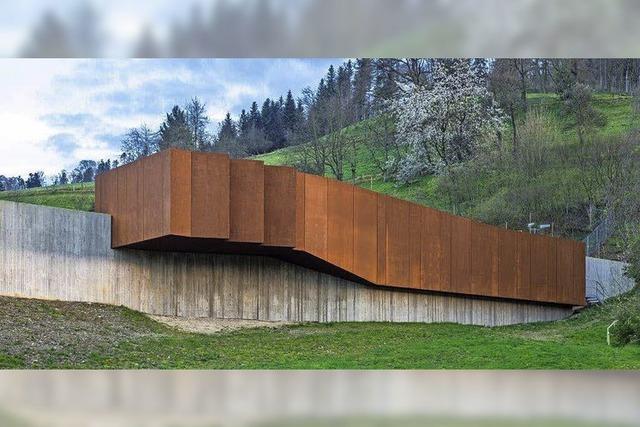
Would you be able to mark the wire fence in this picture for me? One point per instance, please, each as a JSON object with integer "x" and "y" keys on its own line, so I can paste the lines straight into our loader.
{"x": 367, "y": 179}
{"x": 597, "y": 238}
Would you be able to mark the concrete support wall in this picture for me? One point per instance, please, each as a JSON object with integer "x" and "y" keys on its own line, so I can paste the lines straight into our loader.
{"x": 605, "y": 278}
{"x": 60, "y": 254}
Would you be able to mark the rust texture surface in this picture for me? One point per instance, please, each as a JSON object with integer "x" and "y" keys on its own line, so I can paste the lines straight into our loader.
{"x": 315, "y": 216}
{"x": 210, "y": 195}
{"x": 246, "y": 214}
{"x": 280, "y": 206}
{"x": 365, "y": 234}
{"x": 214, "y": 204}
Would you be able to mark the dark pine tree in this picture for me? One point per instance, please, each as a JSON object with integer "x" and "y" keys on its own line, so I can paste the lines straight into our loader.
{"x": 362, "y": 81}
{"x": 175, "y": 131}
{"x": 331, "y": 81}
{"x": 289, "y": 113}
{"x": 254, "y": 116}
{"x": 227, "y": 130}
{"x": 243, "y": 124}
{"x": 63, "y": 179}
{"x": 103, "y": 166}
{"x": 300, "y": 113}
{"x": 35, "y": 179}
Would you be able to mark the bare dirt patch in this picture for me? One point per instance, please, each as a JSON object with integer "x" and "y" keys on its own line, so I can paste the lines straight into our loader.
{"x": 206, "y": 325}
{"x": 44, "y": 333}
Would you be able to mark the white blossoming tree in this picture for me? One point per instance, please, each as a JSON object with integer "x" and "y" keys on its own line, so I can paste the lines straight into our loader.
{"x": 445, "y": 123}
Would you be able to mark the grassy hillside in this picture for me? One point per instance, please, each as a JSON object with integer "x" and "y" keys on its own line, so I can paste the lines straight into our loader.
{"x": 367, "y": 175}
{"x": 496, "y": 191}
{"x": 48, "y": 334}
{"x": 489, "y": 193}
{"x": 72, "y": 196}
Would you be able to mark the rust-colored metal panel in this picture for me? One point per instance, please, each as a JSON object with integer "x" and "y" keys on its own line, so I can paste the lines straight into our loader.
{"x": 129, "y": 228}
{"x": 495, "y": 260}
{"x": 340, "y": 224}
{"x": 315, "y": 215}
{"x": 180, "y": 190}
{"x": 484, "y": 259}
{"x": 415, "y": 246}
{"x": 382, "y": 239}
{"x": 152, "y": 196}
{"x": 523, "y": 270}
{"x": 565, "y": 271}
{"x": 210, "y": 182}
{"x": 507, "y": 264}
{"x": 166, "y": 188}
{"x": 300, "y": 191}
{"x": 539, "y": 267}
{"x": 397, "y": 236}
{"x": 579, "y": 281}
{"x": 431, "y": 250}
{"x": 552, "y": 286}
{"x": 119, "y": 218}
{"x": 280, "y": 206}
{"x": 460, "y": 255}
{"x": 365, "y": 234}
{"x": 445, "y": 251}
{"x": 543, "y": 268}
{"x": 247, "y": 201}
{"x": 108, "y": 187}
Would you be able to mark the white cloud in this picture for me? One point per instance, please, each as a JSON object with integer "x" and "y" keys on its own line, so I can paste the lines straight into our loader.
{"x": 101, "y": 99}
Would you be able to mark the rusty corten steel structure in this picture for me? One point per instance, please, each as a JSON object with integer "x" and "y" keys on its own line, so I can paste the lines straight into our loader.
{"x": 179, "y": 200}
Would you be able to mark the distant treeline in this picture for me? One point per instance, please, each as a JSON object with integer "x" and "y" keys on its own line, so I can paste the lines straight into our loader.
{"x": 354, "y": 91}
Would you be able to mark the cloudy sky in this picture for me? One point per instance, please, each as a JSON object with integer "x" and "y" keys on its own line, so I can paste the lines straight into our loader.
{"x": 56, "y": 112}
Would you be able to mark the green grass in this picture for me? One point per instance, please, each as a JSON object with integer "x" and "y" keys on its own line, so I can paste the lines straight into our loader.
{"x": 423, "y": 190}
{"x": 615, "y": 108}
{"x": 72, "y": 196}
{"x": 127, "y": 339}
{"x": 571, "y": 344}
{"x": 11, "y": 362}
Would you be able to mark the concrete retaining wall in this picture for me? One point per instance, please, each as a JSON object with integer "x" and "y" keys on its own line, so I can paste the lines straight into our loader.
{"x": 61, "y": 254}
{"x": 605, "y": 278}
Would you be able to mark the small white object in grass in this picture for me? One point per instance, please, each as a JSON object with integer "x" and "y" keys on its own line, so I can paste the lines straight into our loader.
{"x": 608, "y": 331}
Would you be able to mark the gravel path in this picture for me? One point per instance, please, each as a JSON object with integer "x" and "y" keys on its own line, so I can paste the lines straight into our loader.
{"x": 43, "y": 334}
{"x": 205, "y": 325}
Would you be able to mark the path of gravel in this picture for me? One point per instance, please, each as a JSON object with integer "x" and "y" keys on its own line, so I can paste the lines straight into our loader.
{"x": 56, "y": 333}
{"x": 212, "y": 326}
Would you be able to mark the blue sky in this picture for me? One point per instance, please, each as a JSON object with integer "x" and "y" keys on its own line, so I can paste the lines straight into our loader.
{"x": 57, "y": 112}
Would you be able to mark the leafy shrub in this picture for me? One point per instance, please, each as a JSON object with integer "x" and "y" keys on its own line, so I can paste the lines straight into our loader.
{"x": 627, "y": 312}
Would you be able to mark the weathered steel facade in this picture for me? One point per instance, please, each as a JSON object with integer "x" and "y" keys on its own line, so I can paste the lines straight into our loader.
{"x": 200, "y": 202}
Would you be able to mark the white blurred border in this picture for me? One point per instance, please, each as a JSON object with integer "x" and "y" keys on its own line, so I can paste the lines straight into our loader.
{"x": 320, "y": 28}
{"x": 252, "y": 397}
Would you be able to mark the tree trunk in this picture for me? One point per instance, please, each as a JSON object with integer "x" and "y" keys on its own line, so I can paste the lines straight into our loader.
{"x": 523, "y": 83}
{"x": 626, "y": 78}
{"x": 515, "y": 135}
{"x": 579, "y": 132}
